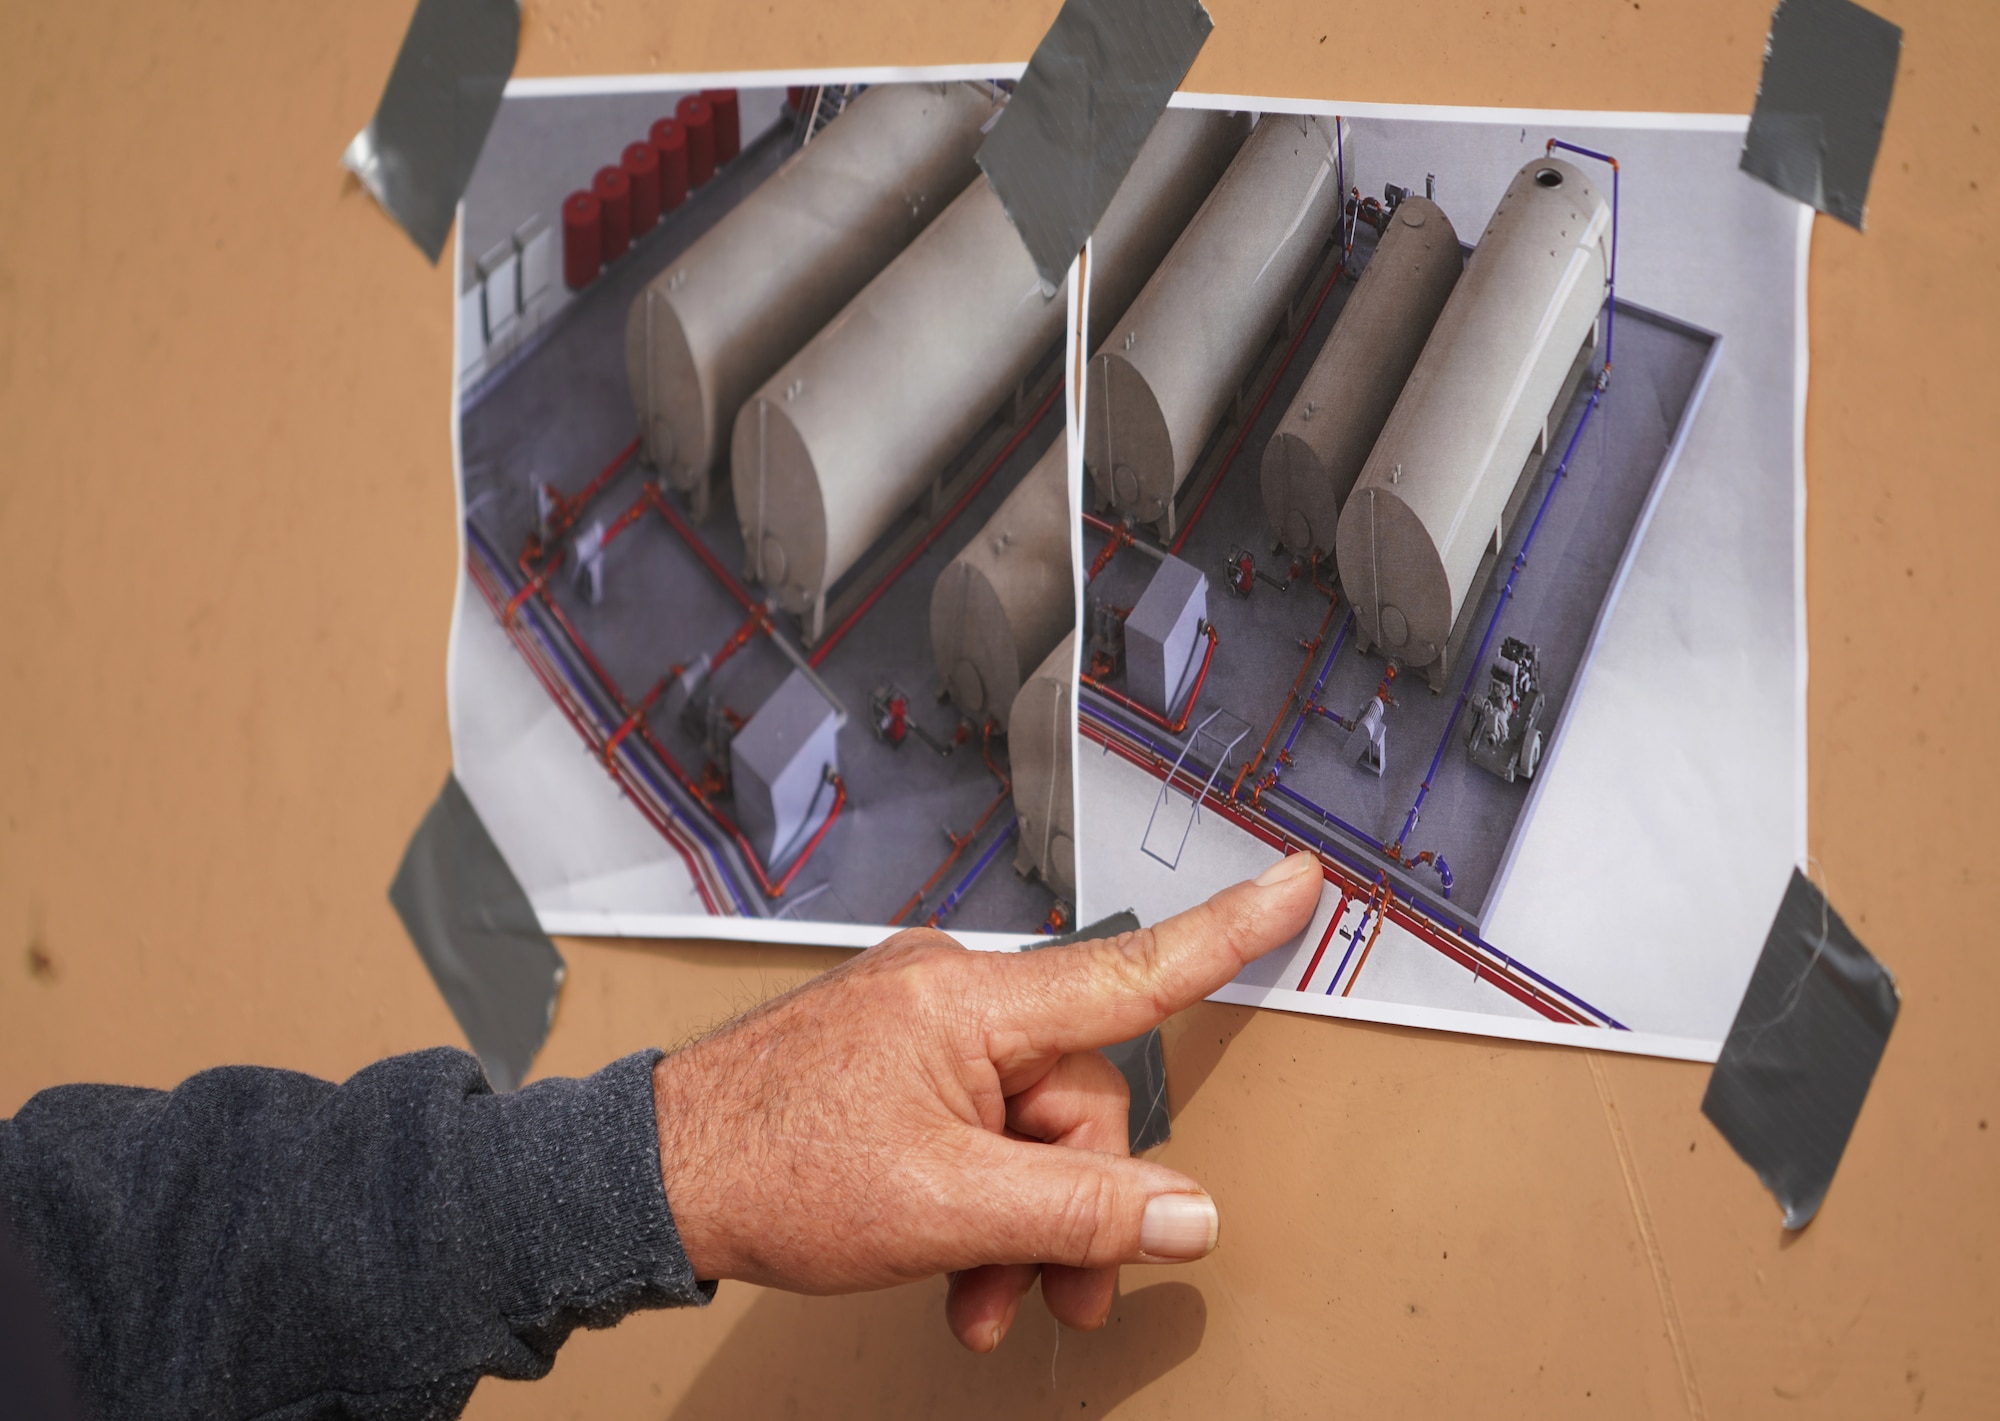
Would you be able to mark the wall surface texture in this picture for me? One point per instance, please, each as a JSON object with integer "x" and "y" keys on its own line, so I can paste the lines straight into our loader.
{"x": 224, "y": 382}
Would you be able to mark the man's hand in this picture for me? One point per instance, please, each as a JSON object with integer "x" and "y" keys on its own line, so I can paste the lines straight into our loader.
{"x": 922, "y": 1109}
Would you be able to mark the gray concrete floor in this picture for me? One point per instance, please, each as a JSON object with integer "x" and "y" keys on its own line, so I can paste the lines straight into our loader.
{"x": 1471, "y": 817}
{"x": 560, "y": 411}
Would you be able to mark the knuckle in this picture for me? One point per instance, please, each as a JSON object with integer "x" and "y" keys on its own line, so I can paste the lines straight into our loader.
{"x": 1111, "y": 1080}
{"x": 1085, "y": 1225}
{"x": 913, "y": 943}
{"x": 921, "y": 969}
{"x": 1132, "y": 961}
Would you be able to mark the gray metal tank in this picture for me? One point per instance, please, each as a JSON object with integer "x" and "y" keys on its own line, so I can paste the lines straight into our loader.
{"x": 1324, "y": 438}
{"x": 752, "y": 289}
{"x": 1163, "y": 378}
{"x": 1003, "y": 603}
{"x": 854, "y": 427}
{"x": 1430, "y": 499}
{"x": 1039, "y": 749}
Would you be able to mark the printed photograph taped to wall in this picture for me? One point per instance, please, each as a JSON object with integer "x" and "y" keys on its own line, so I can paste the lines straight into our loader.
{"x": 769, "y": 614}
{"x": 1440, "y": 520}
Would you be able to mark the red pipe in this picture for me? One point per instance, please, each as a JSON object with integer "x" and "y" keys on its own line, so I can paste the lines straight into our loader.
{"x": 1332, "y": 926}
{"x": 1327, "y": 589}
{"x": 1256, "y": 410}
{"x": 1291, "y": 698}
{"x": 701, "y": 550}
{"x": 1194, "y": 694}
{"x": 812, "y": 844}
{"x": 759, "y": 620}
{"x": 576, "y": 638}
{"x": 728, "y": 826}
{"x": 937, "y": 530}
{"x": 568, "y": 508}
{"x": 528, "y": 589}
{"x": 631, "y": 722}
{"x": 625, "y": 520}
{"x": 1423, "y": 929}
{"x": 634, "y": 718}
{"x": 1120, "y": 536}
{"x": 961, "y": 842}
{"x": 639, "y": 795}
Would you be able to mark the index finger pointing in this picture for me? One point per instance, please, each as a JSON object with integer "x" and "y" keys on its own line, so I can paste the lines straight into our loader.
{"x": 1090, "y": 994}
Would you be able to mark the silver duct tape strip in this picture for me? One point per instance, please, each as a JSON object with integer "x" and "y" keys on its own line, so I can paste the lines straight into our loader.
{"x": 1829, "y": 69}
{"x": 477, "y": 932}
{"x": 417, "y": 154}
{"x": 1799, "y": 1058}
{"x": 1098, "y": 82}
{"x": 1140, "y": 1059}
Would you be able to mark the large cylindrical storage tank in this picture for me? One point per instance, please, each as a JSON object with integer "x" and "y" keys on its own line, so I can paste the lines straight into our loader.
{"x": 1003, "y": 603}
{"x": 841, "y": 440}
{"x": 1161, "y": 381}
{"x": 1316, "y": 454}
{"x": 1430, "y": 498}
{"x": 1039, "y": 743}
{"x": 751, "y": 290}
{"x": 1187, "y": 154}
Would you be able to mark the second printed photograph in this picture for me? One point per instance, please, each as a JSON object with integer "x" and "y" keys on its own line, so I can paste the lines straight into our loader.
{"x": 1415, "y": 536}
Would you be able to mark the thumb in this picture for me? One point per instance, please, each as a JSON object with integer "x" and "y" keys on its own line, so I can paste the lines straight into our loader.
{"x": 1053, "y": 1204}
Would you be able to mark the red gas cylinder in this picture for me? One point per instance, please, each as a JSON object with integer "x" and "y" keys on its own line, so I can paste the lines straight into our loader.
{"x": 728, "y": 126}
{"x": 697, "y": 121}
{"x": 641, "y": 162}
{"x": 583, "y": 239}
{"x": 670, "y": 142}
{"x": 614, "y": 195}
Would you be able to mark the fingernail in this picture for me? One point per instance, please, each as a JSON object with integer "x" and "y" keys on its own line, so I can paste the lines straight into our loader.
{"x": 1179, "y": 1226}
{"x": 1285, "y": 870}
{"x": 990, "y": 1335}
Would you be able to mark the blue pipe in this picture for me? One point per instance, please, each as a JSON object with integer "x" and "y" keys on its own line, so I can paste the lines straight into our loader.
{"x": 1506, "y": 594}
{"x": 951, "y": 899}
{"x": 1328, "y": 816}
{"x": 1562, "y": 469}
{"x": 1351, "y": 943}
{"x": 1443, "y": 918}
{"x": 1312, "y": 702}
{"x": 592, "y": 697}
{"x": 1611, "y": 304}
{"x": 1365, "y": 871}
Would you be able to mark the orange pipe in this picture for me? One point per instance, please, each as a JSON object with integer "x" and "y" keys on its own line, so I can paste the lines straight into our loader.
{"x": 1194, "y": 694}
{"x": 1291, "y": 698}
{"x": 960, "y": 842}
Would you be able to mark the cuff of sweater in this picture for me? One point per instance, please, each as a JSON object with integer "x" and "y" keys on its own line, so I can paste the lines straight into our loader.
{"x": 578, "y": 1207}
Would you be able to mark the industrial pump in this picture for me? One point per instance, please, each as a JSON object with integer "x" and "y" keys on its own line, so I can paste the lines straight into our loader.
{"x": 1506, "y": 726}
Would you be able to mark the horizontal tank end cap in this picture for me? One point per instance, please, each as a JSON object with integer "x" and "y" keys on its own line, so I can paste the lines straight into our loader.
{"x": 967, "y": 689}
{"x": 772, "y": 561}
{"x": 1062, "y": 857}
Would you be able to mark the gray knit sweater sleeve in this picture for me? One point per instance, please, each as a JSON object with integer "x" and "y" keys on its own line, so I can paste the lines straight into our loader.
{"x": 258, "y": 1243}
